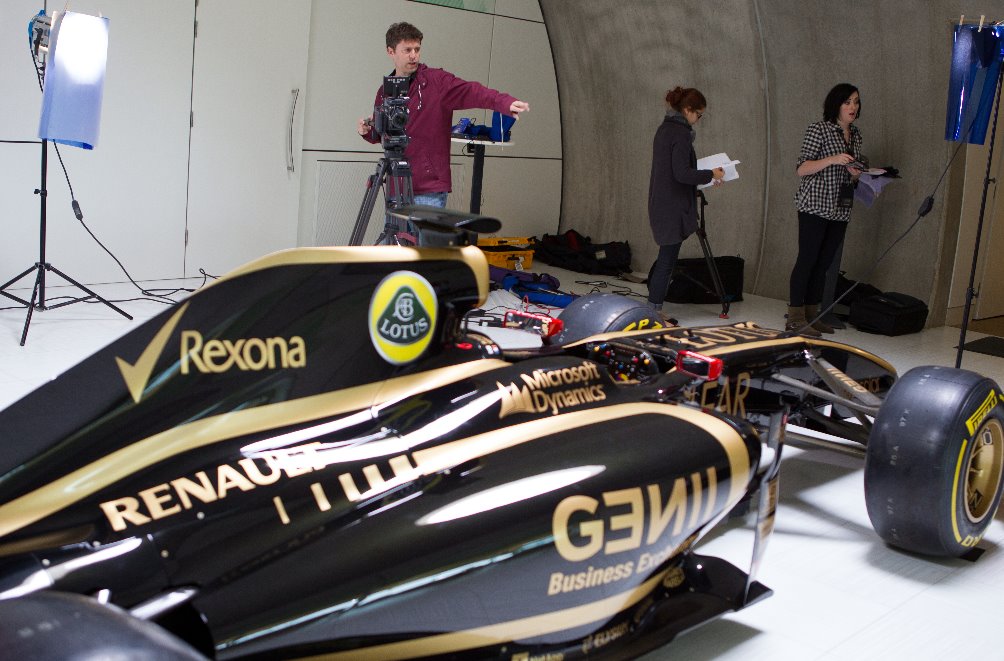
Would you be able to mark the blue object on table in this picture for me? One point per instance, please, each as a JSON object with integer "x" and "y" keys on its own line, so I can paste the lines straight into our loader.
{"x": 501, "y": 125}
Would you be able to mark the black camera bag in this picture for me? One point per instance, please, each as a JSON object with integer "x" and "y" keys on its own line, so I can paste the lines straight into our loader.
{"x": 575, "y": 252}
{"x": 692, "y": 281}
{"x": 889, "y": 313}
{"x": 847, "y": 291}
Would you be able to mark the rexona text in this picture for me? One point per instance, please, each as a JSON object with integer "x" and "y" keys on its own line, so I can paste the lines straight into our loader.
{"x": 249, "y": 354}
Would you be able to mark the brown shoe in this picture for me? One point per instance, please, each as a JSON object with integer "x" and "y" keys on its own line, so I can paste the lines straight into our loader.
{"x": 798, "y": 323}
{"x": 810, "y": 313}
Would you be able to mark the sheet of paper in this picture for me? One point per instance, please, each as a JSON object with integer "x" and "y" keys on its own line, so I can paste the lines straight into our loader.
{"x": 868, "y": 188}
{"x": 718, "y": 161}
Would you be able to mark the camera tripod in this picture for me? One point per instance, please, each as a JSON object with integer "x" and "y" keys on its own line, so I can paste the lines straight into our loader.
{"x": 393, "y": 174}
{"x": 709, "y": 258}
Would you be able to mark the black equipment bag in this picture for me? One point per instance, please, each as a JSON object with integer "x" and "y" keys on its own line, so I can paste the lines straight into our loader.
{"x": 847, "y": 291}
{"x": 692, "y": 282}
{"x": 613, "y": 258}
{"x": 889, "y": 313}
{"x": 576, "y": 252}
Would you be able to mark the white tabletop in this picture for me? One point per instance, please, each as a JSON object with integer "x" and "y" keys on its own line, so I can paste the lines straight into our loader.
{"x": 468, "y": 141}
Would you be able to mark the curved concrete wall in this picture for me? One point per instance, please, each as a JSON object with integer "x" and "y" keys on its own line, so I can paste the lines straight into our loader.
{"x": 765, "y": 67}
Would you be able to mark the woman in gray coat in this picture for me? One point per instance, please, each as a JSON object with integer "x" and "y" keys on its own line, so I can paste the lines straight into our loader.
{"x": 672, "y": 192}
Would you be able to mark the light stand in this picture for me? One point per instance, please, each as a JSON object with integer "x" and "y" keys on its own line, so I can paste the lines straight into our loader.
{"x": 970, "y": 291}
{"x": 40, "y": 267}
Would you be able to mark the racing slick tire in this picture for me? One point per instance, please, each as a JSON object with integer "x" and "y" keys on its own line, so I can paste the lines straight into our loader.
{"x": 603, "y": 313}
{"x": 935, "y": 461}
{"x": 60, "y": 625}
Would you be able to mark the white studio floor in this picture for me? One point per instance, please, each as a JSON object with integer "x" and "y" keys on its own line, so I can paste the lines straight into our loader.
{"x": 839, "y": 592}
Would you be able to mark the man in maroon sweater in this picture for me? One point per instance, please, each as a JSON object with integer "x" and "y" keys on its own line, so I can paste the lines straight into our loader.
{"x": 433, "y": 96}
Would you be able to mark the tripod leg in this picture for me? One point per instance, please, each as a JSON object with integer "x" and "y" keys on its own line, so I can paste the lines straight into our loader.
{"x": 369, "y": 200}
{"x": 31, "y": 305}
{"x": 716, "y": 277}
{"x": 12, "y": 281}
{"x": 81, "y": 287}
{"x": 398, "y": 192}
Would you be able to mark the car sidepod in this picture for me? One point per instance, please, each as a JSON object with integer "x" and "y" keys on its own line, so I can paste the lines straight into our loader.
{"x": 535, "y": 506}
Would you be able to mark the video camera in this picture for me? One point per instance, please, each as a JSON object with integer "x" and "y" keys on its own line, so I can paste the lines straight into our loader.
{"x": 391, "y": 116}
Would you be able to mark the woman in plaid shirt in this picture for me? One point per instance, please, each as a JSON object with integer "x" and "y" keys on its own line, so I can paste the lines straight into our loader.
{"x": 824, "y": 198}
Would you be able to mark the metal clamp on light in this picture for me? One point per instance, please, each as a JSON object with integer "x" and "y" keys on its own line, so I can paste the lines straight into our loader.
{"x": 38, "y": 32}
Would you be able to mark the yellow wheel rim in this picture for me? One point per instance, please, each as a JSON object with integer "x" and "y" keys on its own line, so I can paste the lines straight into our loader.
{"x": 986, "y": 466}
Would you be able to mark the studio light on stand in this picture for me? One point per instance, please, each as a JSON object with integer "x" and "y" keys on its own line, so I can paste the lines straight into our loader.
{"x": 976, "y": 77}
{"x": 73, "y": 51}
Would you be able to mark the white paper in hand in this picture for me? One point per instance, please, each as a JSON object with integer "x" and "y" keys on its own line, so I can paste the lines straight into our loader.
{"x": 718, "y": 161}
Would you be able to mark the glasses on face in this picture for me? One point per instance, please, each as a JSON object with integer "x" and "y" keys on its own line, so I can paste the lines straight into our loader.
{"x": 699, "y": 113}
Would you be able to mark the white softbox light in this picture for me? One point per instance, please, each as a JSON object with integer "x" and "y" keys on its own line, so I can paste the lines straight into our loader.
{"x": 74, "y": 80}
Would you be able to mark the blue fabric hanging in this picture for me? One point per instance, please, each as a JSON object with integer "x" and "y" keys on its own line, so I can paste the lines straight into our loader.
{"x": 74, "y": 80}
{"x": 976, "y": 63}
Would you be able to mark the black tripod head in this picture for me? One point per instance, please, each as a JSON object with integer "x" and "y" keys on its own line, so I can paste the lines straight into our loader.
{"x": 445, "y": 228}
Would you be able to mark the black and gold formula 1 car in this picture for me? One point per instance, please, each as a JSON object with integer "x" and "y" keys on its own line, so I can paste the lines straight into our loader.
{"x": 313, "y": 458}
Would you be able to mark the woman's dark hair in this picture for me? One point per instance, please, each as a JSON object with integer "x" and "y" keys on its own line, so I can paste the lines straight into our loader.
{"x": 836, "y": 98}
{"x": 402, "y": 32}
{"x": 679, "y": 98}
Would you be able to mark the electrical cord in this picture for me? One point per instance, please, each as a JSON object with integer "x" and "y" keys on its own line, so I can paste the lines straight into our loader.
{"x": 598, "y": 285}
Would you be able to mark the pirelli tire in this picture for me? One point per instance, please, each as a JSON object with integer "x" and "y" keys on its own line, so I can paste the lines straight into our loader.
{"x": 593, "y": 314}
{"x": 935, "y": 461}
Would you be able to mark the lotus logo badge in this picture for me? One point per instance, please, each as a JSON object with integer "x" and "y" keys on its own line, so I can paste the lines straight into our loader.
{"x": 405, "y": 320}
{"x": 402, "y": 317}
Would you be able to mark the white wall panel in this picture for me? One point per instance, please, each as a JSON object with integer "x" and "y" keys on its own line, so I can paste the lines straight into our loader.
{"x": 348, "y": 59}
{"x": 525, "y": 9}
{"x": 522, "y": 65}
{"x": 20, "y": 101}
{"x": 339, "y": 191}
{"x": 131, "y": 187}
{"x": 505, "y": 53}
{"x": 524, "y": 194}
{"x": 243, "y": 199}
